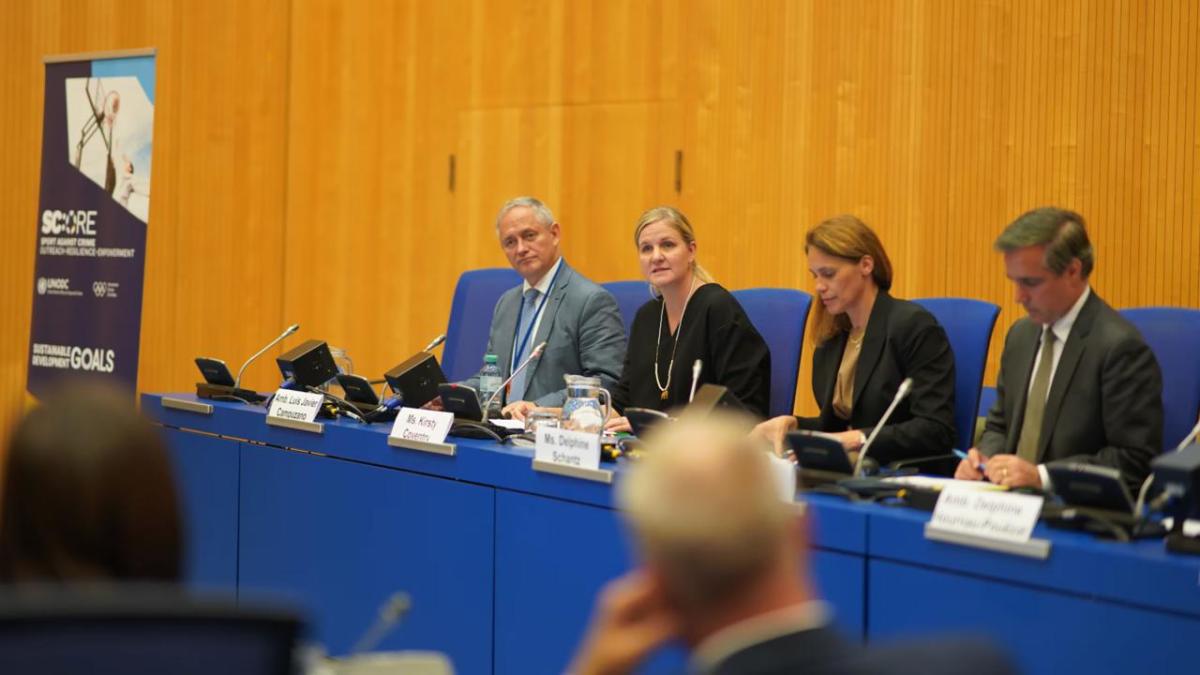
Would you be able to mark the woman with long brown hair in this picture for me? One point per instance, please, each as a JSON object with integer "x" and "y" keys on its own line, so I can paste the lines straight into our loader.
{"x": 867, "y": 343}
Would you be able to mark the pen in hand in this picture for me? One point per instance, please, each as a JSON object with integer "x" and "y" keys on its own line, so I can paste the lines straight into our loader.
{"x": 962, "y": 455}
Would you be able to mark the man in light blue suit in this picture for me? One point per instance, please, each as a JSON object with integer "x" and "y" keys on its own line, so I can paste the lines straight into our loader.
{"x": 577, "y": 319}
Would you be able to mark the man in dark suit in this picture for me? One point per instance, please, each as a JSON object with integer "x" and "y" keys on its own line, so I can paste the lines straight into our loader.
{"x": 726, "y": 571}
{"x": 1077, "y": 382}
{"x": 577, "y": 319}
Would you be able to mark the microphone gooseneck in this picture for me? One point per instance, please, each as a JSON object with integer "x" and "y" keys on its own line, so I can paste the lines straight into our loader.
{"x": 696, "y": 368}
{"x": 537, "y": 351}
{"x": 390, "y": 613}
{"x": 905, "y": 387}
{"x": 287, "y": 331}
{"x": 435, "y": 342}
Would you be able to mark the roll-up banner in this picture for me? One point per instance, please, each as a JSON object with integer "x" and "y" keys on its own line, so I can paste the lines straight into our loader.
{"x": 97, "y": 134}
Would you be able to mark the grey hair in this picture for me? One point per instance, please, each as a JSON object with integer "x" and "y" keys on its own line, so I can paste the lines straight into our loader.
{"x": 1063, "y": 233}
{"x": 540, "y": 210}
{"x": 703, "y": 507}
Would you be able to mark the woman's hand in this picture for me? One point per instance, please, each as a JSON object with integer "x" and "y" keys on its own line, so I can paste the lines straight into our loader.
{"x": 775, "y": 431}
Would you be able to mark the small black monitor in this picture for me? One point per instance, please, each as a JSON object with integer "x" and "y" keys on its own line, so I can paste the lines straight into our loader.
{"x": 214, "y": 371}
{"x": 1090, "y": 486}
{"x": 141, "y": 632}
{"x": 416, "y": 380}
{"x": 357, "y": 389}
{"x": 461, "y": 400}
{"x": 641, "y": 420}
{"x": 819, "y": 452}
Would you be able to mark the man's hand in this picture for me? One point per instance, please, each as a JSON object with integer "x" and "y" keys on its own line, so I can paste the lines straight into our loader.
{"x": 969, "y": 468}
{"x": 517, "y": 410}
{"x": 775, "y": 431}
{"x": 1012, "y": 471}
{"x": 631, "y": 619}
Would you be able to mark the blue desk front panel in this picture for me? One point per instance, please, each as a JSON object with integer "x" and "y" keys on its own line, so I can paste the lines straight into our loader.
{"x": 552, "y": 557}
{"x": 341, "y": 537}
{"x": 1046, "y": 632}
{"x": 1140, "y": 573}
{"x": 206, "y": 472}
{"x": 840, "y": 579}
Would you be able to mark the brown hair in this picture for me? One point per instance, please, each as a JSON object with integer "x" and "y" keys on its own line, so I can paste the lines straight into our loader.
{"x": 88, "y": 494}
{"x": 851, "y": 239}
{"x": 675, "y": 218}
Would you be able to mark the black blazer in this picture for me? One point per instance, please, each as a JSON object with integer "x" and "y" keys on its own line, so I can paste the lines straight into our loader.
{"x": 822, "y": 651}
{"x": 716, "y": 330}
{"x": 902, "y": 340}
{"x": 1105, "y": 402}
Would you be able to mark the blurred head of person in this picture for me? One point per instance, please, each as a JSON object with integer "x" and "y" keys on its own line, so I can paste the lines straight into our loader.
{"x": 1048, "y": 257}
{"x": 666, "y": 244}
{"x": 849, "y": 267}
{"x": 89, "y": 495}
{"x": 713, "y": 533}
{"x": 529, "y": 237}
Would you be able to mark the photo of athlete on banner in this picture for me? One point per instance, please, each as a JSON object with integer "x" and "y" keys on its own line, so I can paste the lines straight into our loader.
{"x": 109, "y": 122}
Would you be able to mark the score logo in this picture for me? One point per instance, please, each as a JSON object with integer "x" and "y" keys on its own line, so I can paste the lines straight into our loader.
{"x": 55, "y": 222}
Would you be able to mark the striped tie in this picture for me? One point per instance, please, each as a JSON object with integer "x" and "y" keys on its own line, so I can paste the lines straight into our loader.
{"x": 516, "y": 390}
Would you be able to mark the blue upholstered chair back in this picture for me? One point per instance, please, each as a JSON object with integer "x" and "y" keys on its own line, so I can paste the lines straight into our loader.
{"x": 1173, "y": 333}
{"x": 475, "y": 299}
{"x": 779, "y": 315}
{"x": 630, "y": 295}
{"x": 968, "y": 325}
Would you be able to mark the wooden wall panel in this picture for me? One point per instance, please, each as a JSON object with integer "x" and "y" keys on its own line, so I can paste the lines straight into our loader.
{"x": 304, "y": 145}
{"x": 596, "y": 195}
{"x": 938, "y": 122}
{"x": 372, "y": 251}
{"x": 217, "y": 181}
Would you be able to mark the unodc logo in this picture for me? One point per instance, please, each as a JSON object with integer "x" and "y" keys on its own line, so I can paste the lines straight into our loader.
{"x": 41, "y": 285}
{"x": 99, "y": 288}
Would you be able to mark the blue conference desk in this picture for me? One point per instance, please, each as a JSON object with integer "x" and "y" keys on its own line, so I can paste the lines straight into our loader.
{"x": 502, "y": 562}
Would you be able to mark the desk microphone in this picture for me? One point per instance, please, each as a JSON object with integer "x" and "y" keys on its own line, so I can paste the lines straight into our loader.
{"x": 537, "y": 351}
{"x": 1141, "y": 498}
{"x": 288, "y": 331}
{"x": 905, "y": 387}
{"x": 390, "y": 613}
{"x": 1188, "y": 439}
{"x": 383, "y": 380}
{"x": 436, "y": 341}
{"x": 696, "y": 367}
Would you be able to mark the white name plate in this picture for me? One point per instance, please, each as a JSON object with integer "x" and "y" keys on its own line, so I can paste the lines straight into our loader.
{"x": 578, "y": 449}
{"x": 423, "y": 426}
{"x": 295, "y": 406}
{"x": 1000, "y": 516}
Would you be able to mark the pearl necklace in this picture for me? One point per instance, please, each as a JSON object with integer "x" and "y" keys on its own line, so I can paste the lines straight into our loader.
{"x": 662, "y": 388}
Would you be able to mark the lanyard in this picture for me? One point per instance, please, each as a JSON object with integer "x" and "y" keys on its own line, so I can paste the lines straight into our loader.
{"x": 520, "y": 350}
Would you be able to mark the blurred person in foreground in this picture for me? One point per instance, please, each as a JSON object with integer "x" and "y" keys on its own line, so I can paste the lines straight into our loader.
{"x": 725, "y": 570}
{"x": 89, "y": 495}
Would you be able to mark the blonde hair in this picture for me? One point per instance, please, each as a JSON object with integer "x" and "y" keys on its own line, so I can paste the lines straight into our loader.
{"x": 704, "y": 508}
{"x": 851, "y": 239}
{"x": 675, "y": 218}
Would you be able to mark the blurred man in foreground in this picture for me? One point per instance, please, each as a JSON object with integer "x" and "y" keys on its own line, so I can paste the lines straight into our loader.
{"x": 725, "y": 571}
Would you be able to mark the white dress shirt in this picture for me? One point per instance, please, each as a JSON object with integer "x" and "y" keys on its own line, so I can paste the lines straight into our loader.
{"x": 1062, "y": 330}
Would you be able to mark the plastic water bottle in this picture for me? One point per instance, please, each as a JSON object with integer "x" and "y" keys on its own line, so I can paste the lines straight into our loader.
{"x": 489, "y": 382}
